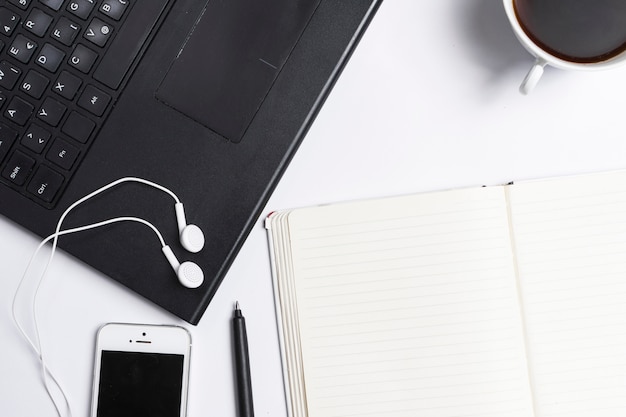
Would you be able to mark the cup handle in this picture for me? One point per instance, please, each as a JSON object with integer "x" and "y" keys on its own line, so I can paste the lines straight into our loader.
{"x": 533, "y": 76}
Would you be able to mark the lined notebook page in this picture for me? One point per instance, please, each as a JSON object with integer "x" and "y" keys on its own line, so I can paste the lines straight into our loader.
{"x": 408, "y": 307}
{"x": 570, "y": 236}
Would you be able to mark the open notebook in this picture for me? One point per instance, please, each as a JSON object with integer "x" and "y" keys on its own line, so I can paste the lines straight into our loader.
{"x": 491, "y": 301}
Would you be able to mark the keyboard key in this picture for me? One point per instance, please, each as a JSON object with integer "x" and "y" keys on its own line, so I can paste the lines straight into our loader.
{"x": 9, "y": 75}
{"x": 45, "y": 183}
{"x": 22, "y": 48}
{"x": 18, "y": 167}
{"x": 8, "y": 21}
{"x": 98, "y": 32}
{"x": 53, "y": 4}
{"x": 22, "y": 4}
{"x": 114, "y": 8}
{"x": 51, "y": 111}
{"x": 83, "y": 58}
{"x": 34, "y": 84}
{"x": 81, "y": 8}
{"x": 37, "y": 22}
{"x": 62, "y": 154}
{"x": 94, "y": 100}
{"x": 19, "y": 111}
{"x": 67, "y": 85}
{"x": 50, "y": 57}
{"x": 65, "y": 31}
{"x": 35, "y": 138}
{"x": 78, "y": 127}
{"x": 7, "y": 137}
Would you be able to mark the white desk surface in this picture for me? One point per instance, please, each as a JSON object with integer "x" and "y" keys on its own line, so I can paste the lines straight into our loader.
{"x": 428, "y": 101}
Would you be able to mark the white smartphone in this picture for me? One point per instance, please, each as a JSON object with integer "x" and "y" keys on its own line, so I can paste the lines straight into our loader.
{"x": 141, "y": 370}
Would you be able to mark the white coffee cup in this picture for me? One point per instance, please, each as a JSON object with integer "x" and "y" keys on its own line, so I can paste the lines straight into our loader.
{"x": 543, "y": 58}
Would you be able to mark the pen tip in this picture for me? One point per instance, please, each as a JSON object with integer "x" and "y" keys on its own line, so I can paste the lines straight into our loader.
{"x": 237, "y": 305}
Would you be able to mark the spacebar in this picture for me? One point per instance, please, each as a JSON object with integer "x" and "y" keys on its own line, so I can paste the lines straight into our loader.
{"x": 128, "y": 42}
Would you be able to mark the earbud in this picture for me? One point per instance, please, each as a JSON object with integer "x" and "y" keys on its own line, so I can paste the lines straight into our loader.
{"x": 189, "y": 274}
{"x": 191, "y": 237}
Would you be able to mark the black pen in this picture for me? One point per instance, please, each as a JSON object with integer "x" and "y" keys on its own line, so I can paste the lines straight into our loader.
{"x": 242, "y": 365}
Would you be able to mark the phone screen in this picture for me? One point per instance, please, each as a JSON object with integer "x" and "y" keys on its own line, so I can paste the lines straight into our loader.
{"x": 140, "y": 384}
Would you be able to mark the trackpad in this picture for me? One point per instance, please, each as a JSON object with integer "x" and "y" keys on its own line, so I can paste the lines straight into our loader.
{"x": 232, "y": 57}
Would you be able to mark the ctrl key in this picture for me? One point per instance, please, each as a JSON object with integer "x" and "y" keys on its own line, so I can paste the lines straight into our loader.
{"x": 18, "y": 167}
{"x": 45, "y": 183}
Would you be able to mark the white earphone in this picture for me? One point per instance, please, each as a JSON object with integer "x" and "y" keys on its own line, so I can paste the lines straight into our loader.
{"x": 191, "y": 237}
{"x": 189, "y": 273}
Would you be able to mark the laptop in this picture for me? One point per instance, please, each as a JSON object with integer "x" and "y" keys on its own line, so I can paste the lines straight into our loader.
{"x": 208, "y": 98}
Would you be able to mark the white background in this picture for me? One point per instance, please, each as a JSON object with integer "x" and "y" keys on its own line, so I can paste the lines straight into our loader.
{"x": 429, "y": 101}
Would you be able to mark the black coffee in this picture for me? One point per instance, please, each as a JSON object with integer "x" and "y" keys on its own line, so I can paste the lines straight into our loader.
{"x": 575, "y": 30}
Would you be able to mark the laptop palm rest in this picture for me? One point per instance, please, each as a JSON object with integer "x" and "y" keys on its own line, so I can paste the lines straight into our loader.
{"x": 230, "y": 60}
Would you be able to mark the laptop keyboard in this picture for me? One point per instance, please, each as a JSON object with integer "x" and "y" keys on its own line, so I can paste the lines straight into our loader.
{"x": 63, "y": 64}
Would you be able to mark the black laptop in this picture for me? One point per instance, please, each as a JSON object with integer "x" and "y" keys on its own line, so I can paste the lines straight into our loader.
{"x": 208, "y": 98}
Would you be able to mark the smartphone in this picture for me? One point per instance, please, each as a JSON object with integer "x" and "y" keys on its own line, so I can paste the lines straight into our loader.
{"x": 141, "y": 370}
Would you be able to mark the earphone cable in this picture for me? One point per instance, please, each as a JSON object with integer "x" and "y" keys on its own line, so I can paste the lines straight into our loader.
{"x": 55, "y": 236}
{"x": 36, "y": 345}
{"x": 57, "y": 232}
{"x": 104, "y": 188}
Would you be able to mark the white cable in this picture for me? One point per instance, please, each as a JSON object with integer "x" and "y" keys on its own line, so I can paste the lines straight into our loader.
{"x": 57, "y": 233}
{"x": 100, "y": 190}
{"x": 36, "y": 346}
{"x": 65, "y": 232}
